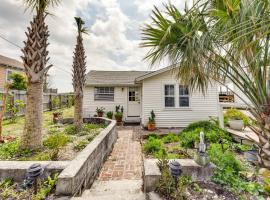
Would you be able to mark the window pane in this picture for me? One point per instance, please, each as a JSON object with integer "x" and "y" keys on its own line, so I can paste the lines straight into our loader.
{"x": 183, "y": 90}
{"x": 169, "y": 90}
{"x": 104, "y": 94}
{"x": 184, "y": 101}
{"x": 169, "y": 101}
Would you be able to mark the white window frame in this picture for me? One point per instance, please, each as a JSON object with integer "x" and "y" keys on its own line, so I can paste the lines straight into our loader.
{"x": 183, "y": 95}
{"x": 110, "y": 94}
{"x": 7, "y": 72}
{"x": 164, "y": 98}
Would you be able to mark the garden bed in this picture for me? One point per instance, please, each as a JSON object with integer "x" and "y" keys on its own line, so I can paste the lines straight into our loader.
{"x": 234, "y": 175}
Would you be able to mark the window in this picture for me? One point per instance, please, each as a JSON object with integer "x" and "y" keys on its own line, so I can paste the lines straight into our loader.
{"x": 133, "y": 94}
{"x": 8, "y": 75}
{"x": 169, "y": 96}
{"x": 104, "y": 94}
{"x": 183, "y": 96}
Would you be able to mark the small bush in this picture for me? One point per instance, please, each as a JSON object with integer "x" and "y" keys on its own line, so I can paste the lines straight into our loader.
{"x": 212, "y": 132}
{"x": 53, "y": 130}
{"x": 170, "y": 138}
{"x": 90, "y": 127}
{"x": 71, "y": 130}
{"x": 109, "y": 114}
{"x": 237, "y": 115}
{"x": 12, "y": 149}
{"x": 55, "y": 143}
{"x": 152, "y": 145}
{"x": 80, "y": 145}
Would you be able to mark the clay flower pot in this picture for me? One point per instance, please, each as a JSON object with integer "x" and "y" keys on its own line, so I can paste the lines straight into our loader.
{"x": 100, "y": 114}
{"x": 151, "y": 126}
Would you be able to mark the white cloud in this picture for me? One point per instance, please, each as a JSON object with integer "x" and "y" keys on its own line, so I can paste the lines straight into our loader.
{"x": 108, "y": 46}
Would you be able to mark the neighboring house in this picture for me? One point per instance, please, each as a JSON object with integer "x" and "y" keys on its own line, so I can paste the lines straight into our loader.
{"x": 7, "y": 67}
{"x": 140, "y": 92}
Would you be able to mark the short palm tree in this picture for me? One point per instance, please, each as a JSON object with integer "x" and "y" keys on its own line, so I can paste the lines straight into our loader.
{"x": 35, "y": 59}
{"x": 214, "y": 41}
{"x": 79, "y": 73}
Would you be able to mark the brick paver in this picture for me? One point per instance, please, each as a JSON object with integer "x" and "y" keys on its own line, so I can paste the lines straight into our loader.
{"x": 125, "y": 161}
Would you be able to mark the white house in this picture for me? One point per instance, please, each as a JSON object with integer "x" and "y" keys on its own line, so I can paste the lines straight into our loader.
{"x": 140, "y": 92}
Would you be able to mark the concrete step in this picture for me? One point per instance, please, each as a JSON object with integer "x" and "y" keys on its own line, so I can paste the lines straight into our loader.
{"x": 114, "y": 190}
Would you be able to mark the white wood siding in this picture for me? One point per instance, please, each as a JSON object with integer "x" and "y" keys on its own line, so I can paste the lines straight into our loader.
{"x": 201, "y": 107}
{"x": 90, "y": 105}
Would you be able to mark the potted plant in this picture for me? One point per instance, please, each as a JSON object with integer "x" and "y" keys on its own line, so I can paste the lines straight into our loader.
{"x": 110, "y": 114}
{"x": 100, "y": 111}
{"x": 152, "y": 122}
{"x": 57, "y": 116}
{"x": 119, "y": 114}
{"x": 236, "y": 119}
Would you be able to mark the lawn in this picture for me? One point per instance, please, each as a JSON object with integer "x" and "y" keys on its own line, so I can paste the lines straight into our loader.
{"x": 16, "y": 129}
{"x": 60, "y": 141}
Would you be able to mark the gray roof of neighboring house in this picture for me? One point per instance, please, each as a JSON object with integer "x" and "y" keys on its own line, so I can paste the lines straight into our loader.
{"x": 10, "y": 62}
{"x": 113, "y": 77}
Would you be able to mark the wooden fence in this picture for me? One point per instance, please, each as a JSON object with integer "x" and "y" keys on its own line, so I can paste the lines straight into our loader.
{"x": 51, "y": 101}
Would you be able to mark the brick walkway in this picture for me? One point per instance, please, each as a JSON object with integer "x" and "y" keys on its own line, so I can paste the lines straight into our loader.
{"x": 125, "y": 161}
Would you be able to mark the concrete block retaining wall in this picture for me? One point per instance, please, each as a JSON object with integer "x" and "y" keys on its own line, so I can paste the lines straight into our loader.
{"x": 82, "y": 171}
{"x": 189, "y": 167}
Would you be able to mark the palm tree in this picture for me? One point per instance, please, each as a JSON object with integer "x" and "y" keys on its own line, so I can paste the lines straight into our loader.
{"x": 35, "y": 59}
{"x": 214, "y": 41}
{"x": 79, "y": 69}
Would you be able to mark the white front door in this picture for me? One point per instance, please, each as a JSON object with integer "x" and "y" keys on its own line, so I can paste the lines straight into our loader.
{"x": 134, "y": 102}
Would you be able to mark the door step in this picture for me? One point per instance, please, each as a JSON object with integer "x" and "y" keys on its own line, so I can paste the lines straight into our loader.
{"x": 131, "y": 120}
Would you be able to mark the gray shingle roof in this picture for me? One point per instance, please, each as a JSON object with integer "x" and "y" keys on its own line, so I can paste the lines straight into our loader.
{"x": 10, "y": 62}
{"x": 113, "y": 77}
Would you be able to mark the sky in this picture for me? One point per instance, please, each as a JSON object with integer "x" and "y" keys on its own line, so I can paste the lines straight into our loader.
{"x": 113, "y": 40}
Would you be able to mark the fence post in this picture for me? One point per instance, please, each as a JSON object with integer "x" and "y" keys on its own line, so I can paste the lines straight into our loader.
{"x": 50, "y": 102}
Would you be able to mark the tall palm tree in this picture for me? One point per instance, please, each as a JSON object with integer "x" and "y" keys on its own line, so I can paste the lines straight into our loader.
{"x": 35, "y": 59}
{"x": 79, "y": 69}
{"x": 214, "y": 41}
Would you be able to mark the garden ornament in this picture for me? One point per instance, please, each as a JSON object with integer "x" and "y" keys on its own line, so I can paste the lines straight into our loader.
{"x": 176, "y": 171}
{"x": 202, "y": 158}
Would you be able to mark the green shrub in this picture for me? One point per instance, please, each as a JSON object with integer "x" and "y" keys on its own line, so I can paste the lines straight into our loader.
{"x": 212, "y": 133}
{"x": 80, "y": 145}
{"x": 109, "y": 114}
{"x": 55, "y": 142}
{"x": 90, "y": 127}
{"x": 152, "y": 145}
{"x": 46, "y": 188}
{"x": 71, "y": 130}
{"x": 12, "y": 149}
{"x": 237, "y": 115}
{"x": 53, "y": 130}
{"x": 170, "y": 138}
{"x": 228, "y": 168}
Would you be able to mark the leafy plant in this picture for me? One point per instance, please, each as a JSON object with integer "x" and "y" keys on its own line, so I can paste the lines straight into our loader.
{"x": 18, "y": 82}
{"x": 212, "y": 132}
{"x": 80, "y": 145}
{"x": 228, "y": 168}
{"x": 100, "y": 110}
{"x": 70, "y": 130}
{"x": 55, "y": 142}
{"x": 170, "y": 138}
{"x": 152, "y": 145}
{"x": 53, "y": 130}
{"x": 14, "y": 108}
{"x": 151, "y": 119}
{"x": 56, "y": 102}
{"x": 12, "y": 149}
{"x": 46, "y": 188}
{"x": 110, "y": 114}
{"x": 166, "y": 186}
{"x": 237, "y": 115}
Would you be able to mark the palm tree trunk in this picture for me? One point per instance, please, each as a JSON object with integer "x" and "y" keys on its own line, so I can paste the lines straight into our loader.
{"x": 78, "y": 110}
{"x": 264, "y": 151}
{"x": 32, "y": 134}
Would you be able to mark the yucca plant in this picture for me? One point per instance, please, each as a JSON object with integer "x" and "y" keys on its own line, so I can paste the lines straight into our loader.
{"x": 35, "y": 59}
{"x": 215, "y": 41}
{"x": 79, "y": 73}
